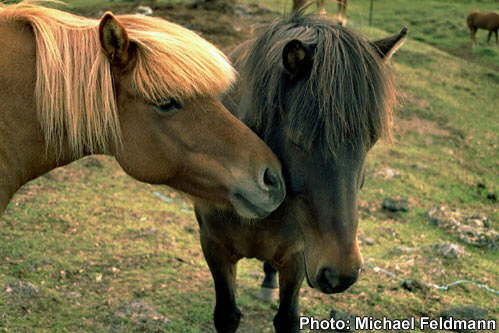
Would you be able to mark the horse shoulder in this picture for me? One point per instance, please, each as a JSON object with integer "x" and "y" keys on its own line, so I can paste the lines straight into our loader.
{"x": 470, "y": 19}
{"x": 19, "y": 127}
{"x": 494, "y": 19}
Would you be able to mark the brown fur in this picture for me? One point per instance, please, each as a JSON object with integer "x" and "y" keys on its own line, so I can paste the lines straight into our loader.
{"x": 74, "y": 76}
{"x": 487, "y": 21}
{"x": 72, "y": 86}
{"x": 320, "y": 96}
{"x": 356, "y": 105}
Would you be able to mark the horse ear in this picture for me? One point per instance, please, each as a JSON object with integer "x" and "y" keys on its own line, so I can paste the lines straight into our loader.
{"x": 387, "y": 47}
{"x": 114, "y": 40}
{"x": 297, "y": 58}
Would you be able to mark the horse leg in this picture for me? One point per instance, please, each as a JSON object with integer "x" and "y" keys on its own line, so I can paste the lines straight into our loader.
{"x": 5, "y": 196}
{"x": 473, "y": 35}
{"x": 223, "y": 269}
{"x": 269, "y": 284}
{"x": 291, "y": 276}
{"x": 4, "y": 200}
{"x": 495, "y": 32}
{"x": 488, "y": 37}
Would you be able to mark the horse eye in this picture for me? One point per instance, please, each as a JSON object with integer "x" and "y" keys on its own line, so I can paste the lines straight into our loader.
{"x": 168, "y": 106}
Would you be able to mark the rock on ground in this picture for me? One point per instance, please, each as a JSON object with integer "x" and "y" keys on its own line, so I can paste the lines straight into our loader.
{"x": 464, "y": 313}
{"x": 471, "y": 229}
{"x": 387, "y": 173}
{"x": 449, "y": 250}
{"x": 396, "y": 205}
{"x": 344, "y": 316}
{"x": 414, "y": 285}
{"x": 444, "y": 250}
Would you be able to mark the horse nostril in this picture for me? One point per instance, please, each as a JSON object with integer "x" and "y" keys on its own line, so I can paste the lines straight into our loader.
{"x": 330, "y": 282}
{"x": 271, "y": 179}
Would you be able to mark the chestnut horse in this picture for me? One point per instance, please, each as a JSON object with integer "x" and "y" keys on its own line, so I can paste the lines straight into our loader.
{"x": 487, "y": 21}
{"x": 320, "y": 96}
{"x": 140, "y": 89}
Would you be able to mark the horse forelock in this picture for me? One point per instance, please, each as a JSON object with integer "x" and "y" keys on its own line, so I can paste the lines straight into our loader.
{"x": 74, "y": 90}
{"x": 348, "y": 95}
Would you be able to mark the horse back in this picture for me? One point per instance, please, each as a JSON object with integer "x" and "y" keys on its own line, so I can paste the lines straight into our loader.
{"x": 487, "y": 21}
{"x": 492, "y": 20}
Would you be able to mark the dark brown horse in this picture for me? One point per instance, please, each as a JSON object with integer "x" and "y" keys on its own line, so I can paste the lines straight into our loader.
{"x": 487, "y": 21}
{"x": 141, "y": 89}
{"x": 320, "y": 96}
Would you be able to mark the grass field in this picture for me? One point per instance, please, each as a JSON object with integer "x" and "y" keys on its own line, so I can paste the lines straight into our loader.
{"x": 91, "y": 239}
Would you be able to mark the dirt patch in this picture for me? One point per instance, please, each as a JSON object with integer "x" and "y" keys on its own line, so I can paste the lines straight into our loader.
{"x": 222, "y": 23}
{"x": 27, "y": 297}
{"x": 407, "y": 97}
{"x": 142, "y": 315}
{"x": 225, "y": 28}
{"x": 22, "y": 289}
{"x": 420, "y": 126}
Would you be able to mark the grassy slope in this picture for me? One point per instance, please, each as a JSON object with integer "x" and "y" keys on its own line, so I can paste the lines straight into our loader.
{"x": 441, "y": 23}
{"x": 93, "y": 230}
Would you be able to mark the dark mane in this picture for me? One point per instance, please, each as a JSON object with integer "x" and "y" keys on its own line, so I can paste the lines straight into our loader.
{"x": 347, "y": 97}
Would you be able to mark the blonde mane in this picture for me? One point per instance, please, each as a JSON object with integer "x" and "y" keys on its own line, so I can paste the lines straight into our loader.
{"x": 74, "y": 87}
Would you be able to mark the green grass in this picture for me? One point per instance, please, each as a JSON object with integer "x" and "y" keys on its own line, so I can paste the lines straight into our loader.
{"x": 91, "y": 238}
{"x": 439, "y": 23}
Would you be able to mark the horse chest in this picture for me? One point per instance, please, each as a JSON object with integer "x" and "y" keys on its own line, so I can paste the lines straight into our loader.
{"x": 264, "y": 240}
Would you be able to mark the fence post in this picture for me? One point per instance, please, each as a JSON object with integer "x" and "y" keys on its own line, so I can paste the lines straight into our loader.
{"x": 371, "y": 7}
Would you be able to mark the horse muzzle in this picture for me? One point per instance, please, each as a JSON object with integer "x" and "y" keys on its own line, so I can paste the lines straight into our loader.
{"x": 329, "y": 282}
{"x": 259, "y": 199}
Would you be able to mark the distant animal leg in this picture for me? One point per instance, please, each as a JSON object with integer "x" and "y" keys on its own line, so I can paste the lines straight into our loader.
{"x": 495, "y": 32}
{"x": 342, "y": 11}
{"x": 269, "y": 285}
{"x": 473, "y": 35}
{"x": 223, "y": 270}
{"x": 291, "y": 276}
{"x": 320, "y": 7}
{"x": 342, "y": 7}
{"x": 488, "y": 36}
{"x": 298, "y": 4}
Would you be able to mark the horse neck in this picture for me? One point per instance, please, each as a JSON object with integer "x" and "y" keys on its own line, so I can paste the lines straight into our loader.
{"x": 23, "y": 155}
{"x": 234, "y": 99}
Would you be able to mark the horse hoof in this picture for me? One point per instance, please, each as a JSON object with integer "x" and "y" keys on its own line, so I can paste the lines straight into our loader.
{"x": 268, "y": 295}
